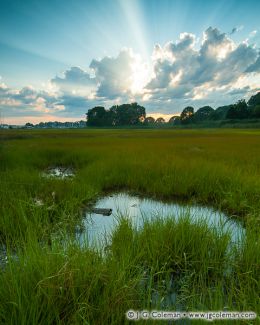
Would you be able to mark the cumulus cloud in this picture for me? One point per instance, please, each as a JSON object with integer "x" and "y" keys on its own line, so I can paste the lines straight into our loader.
{"x": 185, "y": 72}
{"x": 255, "y": 67}
{"x": 27, "y": 100}
{"x": 114, "y": 74}
{"x": 75, "y": 81}
{"x": 181, "y": 70}
{"x": 113, "y": 77}
{"x": 239, "y": 91}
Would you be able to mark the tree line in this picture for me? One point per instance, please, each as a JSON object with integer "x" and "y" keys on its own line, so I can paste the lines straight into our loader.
{"x": 238, "y": 111}
{"x": 56, "y": 125}
{"x": 134, "y": 114}
{"x": 126, "y": 114}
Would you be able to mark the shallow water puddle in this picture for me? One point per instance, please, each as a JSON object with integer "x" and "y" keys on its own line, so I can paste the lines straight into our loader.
{"x": 102, "y": 218}
{"x": 100, "y": 221}
{"x": 59, "y": 172}
{"x": 5, "y": 257}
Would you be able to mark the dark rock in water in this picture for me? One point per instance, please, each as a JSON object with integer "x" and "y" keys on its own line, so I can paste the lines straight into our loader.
{"x": 104, "y": 212}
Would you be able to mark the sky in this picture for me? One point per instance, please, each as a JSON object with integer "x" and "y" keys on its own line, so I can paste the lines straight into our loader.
{"x": 59, "y": 58}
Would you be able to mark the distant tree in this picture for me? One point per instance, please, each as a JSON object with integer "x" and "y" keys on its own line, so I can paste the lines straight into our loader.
{"x": 187, "y": 115}
{"x": 238, "y": 110}
{"x": 127, "y": 114}
{"x": 160, "y": 120}
{"x": 96, "y": 116}
{"x": 149, "y": 120}
{"x": 254, "y": 100}
{"x": 29, "y": 125}
{"x": 254, "y": 106}
{"x": 220, "y": 113}
{"x": 255, "y": 111}
{"x": 175, "y": 120}
{"x": 203, "y": 113}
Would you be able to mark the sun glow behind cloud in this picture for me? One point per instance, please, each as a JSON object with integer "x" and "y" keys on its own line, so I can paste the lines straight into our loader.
{"x": 140, "y": 75}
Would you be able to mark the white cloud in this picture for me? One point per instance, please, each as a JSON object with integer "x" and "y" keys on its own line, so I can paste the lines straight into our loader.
{"x": 75, "y": 81}
{"x": 182, "y": 71}
{"x": 253, "y": 33}
{"x": 26, "y": 101}
{"x": 120, "y": 76}
{"x": 215, "y": 71}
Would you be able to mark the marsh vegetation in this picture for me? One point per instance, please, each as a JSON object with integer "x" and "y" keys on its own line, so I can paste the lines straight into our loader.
{"x": 50, "y": 276}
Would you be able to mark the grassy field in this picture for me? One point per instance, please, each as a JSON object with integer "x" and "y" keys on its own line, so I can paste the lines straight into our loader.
{"x": 47, "y": 284}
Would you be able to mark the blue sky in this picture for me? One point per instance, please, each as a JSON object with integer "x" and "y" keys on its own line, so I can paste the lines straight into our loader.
{"x": 60, "y": 58}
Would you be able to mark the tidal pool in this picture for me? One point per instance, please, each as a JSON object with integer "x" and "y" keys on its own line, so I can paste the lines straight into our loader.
{"x": 59, "y": 172}
{"x": 99, "y": 226}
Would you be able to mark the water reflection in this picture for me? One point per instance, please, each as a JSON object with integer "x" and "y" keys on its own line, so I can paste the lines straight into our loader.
{"x": 98, "y": 227}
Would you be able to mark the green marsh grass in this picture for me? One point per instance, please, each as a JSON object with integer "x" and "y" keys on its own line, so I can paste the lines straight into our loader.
{"x": 43, "y": 283}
